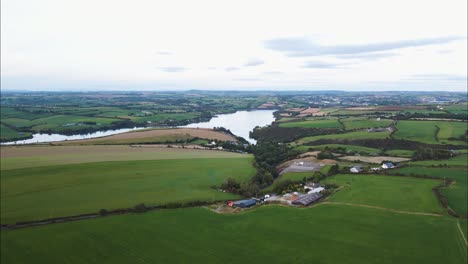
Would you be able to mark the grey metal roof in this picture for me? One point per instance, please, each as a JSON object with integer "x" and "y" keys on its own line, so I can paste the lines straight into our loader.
{"x": 308, "y": 199}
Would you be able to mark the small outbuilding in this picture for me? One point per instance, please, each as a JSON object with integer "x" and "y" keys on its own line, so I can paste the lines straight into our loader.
{"x": 245, "y": 203}
{"x": 388, "y": 165}
{"x": 355, "y": 169}
{"x": 307, "y": 199}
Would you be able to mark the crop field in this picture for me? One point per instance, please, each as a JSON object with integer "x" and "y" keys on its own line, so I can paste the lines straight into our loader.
{"x": 37, "y": 156}
{"x": 7, "y": 133}
{"x": 331, "y": 233}
{"x": 400, "y": 153}
{"x": 320, "y": 123}
{"x": 363, "y": 123}
{"x": 451, "y": 130}
{"x": 456, "y": 194}
{"x": 374, "y": 159}
{"x": 427, "y": 132}
{"x": 392, "y": 192}
{"x": 350, "y": 136}
{"x": 347, "y": 148}
{"x": 459, "y": 160}
{"x": 62, "y": 190}
{"x": 422, "y": 131}
{"x": 155, "y": 136}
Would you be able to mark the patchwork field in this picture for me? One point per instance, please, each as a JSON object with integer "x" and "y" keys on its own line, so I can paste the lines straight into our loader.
{"x": 350, "y": 136}
{"x": 154, "y": 136}
{"x": 392, "y": 192}
{"x": 431, "y": 132}
{"x": 330, "y": 233}
{"x": 62, "y": 190}
{"x": 457, "y": 194}
{"x": 321, "y": 123}
{"x": 362, "y": 123}
{"x": 15, "y": 157}
{"x": 460, "y": 160}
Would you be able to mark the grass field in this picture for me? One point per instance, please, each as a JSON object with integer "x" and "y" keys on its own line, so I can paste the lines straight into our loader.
{"x": 320, "y": 123}
{"x": 459, "y": 160}
{"x": 62, "y": 190}
{"x": 450, "y": 130}
{"x": 38, "y": 156}
{"x": 7, "y": 133}
{"x": 329, "y": 233}
{"x": 350, "y": 136}
{"x": 422, "y": 131}
{"x": 397, "y": 193}
{"x": 352, "y": 123}
{"x": 348, "y": 148}
{"x": 427, "y": 132}
{"x": 456, "y": 194}
{"x": 400, "y": 153}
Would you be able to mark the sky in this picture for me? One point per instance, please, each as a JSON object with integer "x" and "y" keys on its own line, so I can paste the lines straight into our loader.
{"x": 364, "y": 45}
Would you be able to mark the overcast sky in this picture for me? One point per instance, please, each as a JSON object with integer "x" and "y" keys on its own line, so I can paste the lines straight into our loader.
{"x": 241, "y": 45}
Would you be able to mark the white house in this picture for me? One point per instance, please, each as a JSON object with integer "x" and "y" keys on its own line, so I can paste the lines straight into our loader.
{"x": 356, "y": 169}
{"x": 388, "y": 165}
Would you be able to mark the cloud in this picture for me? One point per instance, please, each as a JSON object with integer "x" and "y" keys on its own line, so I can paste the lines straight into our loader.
{"x": 231, "y": 69}
{"x": 173, "y": 69}
{"x": 254, "y": 62}
{"x": 247, "y": 79}
{"x": 320, "y": 65}
{"x": 438, "y": 77}
{"x": 164, "y": 53}
{"x": 367, "y": 56}
{"x": 303, "y": 47}
{"x": 273, "y": 72}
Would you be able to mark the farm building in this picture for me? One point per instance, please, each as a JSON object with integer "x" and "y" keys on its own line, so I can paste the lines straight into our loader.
{"x": 388, "y": 165}
{"x": 355, "y": 169}
{"x": 307, "y": 199}
{"x": 244, "y": 203}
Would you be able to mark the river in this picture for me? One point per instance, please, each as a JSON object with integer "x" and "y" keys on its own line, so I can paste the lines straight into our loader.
{"x": 240, "y": 123}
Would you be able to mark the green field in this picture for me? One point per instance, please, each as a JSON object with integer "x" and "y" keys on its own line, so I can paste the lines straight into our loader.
{"x": 352, "y": 123}
{"x": 400, "y": 153}
{"x": 7, "y": 134}
{"x": 320, "y": 123}
{"x": 422, "y": 131}
{"x": 270, "y": 234}
{"x": 456, "y": 194}
{"x": 428, "y": 132}
{"x": 450, "y": 131}
{"x": 459, "y": 160}
{"x": 396, "y": 193}
{"x": 62, "y": 190}
{"x": 349, "y": 136}
{"x": 38, "y": 156}
{"x": 348, "y": 148}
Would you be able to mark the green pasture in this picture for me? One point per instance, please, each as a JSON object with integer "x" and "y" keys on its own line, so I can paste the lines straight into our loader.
{"x": 346, "y": 136}
{"x": 392, "y": 192}
{"x": 270, "y": 234}
{"x": 320, "y": 123}
{"x": 457, "y": 194}
{"x": 353, "y": 123}
{"x": 459, "y": 160}
{"x": 62, "y": 190}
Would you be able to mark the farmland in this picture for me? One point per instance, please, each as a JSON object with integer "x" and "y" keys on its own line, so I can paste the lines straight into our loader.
{"x": 320, "y": 123}
{"x": 155, "y": 136}
{"x": 357, "y": 240}
{"x": 350, "y": 135}
{"x": 432, "y": 132}
{"x": 353, "y": 123}
{"x": 38, "y": 156}
{"x": 398, "y": 193}
{"x": 457, "y": 194}
{"x": 52, "y": 191}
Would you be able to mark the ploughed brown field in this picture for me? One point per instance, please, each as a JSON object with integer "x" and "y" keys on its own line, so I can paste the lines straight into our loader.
{"x": 155, "y": 135}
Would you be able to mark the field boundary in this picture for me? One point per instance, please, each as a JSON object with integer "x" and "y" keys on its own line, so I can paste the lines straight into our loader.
{"x": 461, "y": 232}
{"x": 383, "y": 208}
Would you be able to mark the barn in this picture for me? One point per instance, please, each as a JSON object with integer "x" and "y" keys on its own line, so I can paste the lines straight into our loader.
{"x": 244, "y": 203}
{"x": 308, "y": 199}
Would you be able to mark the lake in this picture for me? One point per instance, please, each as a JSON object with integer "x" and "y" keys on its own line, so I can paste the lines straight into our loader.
{"x": 240, "y": 123}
